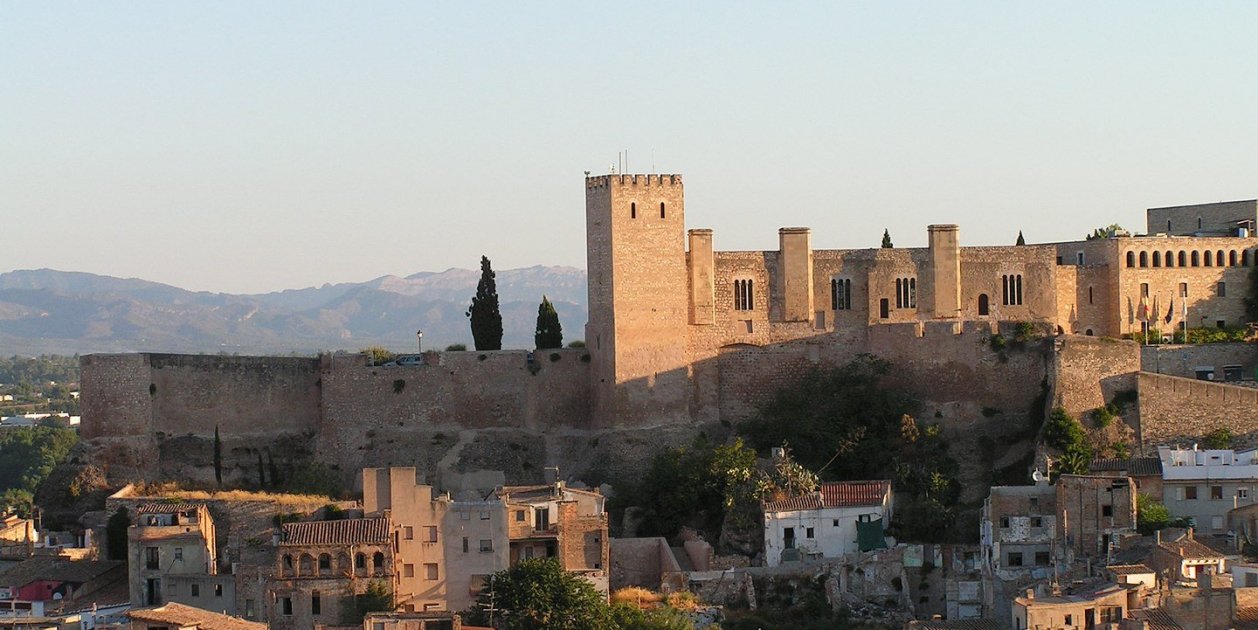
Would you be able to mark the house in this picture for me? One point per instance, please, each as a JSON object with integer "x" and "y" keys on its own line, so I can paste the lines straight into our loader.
{"x": 1146, "y": 472}
{"x": 1018, "y": 527}
{"x": 173, "y": 557}
{"x": 839, "y": 518}
{"x": 40, "y": 583}
{"x": 1088, "y": 607}
{"x": 1184, "y": 559}
{"x": 1133, "y": 575}
{"x": 1207, "y": 484}
{"x": 415, "y": 621}
{"x": 553, "y": 520}
{"x": 321, "y": 566}
{"x": 1245, "y": 574}
{"x": 1092, "y": 512}
{"x": 175, "y": 616}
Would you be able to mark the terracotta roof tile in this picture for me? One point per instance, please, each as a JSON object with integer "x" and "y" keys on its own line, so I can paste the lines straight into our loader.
{"x": 1134, "y": 466}
{"x": 188, "y": 616}
{"x": 1158, "y": 618}
{"x": 168, "y": 508}
{"x": 1189, "y": 548}
{"x": 1128, "y": 569}
{"x": 835, "y": 494}
{"x": 344, "y": 532}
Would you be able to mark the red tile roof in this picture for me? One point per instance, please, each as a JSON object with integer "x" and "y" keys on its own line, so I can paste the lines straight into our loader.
{"x": 1190, "y": 549}
{"x": 836, "y": 494}
{"x": 344, "y": 532}
{"x": 188, "y": 616}
{"x": 168, "y": 508}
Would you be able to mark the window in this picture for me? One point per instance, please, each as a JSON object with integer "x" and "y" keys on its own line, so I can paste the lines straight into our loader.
{"x": 1037, "y": 521}
{"x": 179, "y": 550}
{"x": 325, "y": 562}
{"x": 1170, "y": 259}
{"x": 1242, "y": 493}
{"x": 906, "y": 293}
{"x": 1209, "y": 259}
{"x": 1107, "y": 510}
{"x": 1011, "y": 289}
{"x": 377, "y": 562}
{"x": 836, "y": 522}
{"x": 1004, "y": 522}
{"x": 286, "y": 605}
{"x": 633, "y": 210}
{"x": 661, "y": 209}
{"x": 486, "y": 545}
{"x": 316, "y": 603}
{"x": 1089, "y": 295}
{"x": 1216, "y": 493}
{"x": 1183, "y": 289}
{"x": 249, "y": 609}
{"x": 1144, "y": 289}
{"x": 1218, "y": 258}
{"x": 484, "y": 516}
{"x": 1144, "y": 259}
{"x": 465, "y": 516}
{"x": 1196, "y": 259}
{"x": 1131, "y": 259}
{"x": 744, "y": 295}
{"x": 196, "y": 590}
{"x": 1041, "y": 557}
{"x": 1198, "y": 223}
{"x": 1168, "y": 226}
{"x": 1190, "y": 493}
{"x": 1015, "y": 559}
{"x": 1035, "y": 504}
{"x": 408, "y": 570}
{"x": 430, "y": 533}
{"x": 408, "y": 533}
{"x": 464, "y": 544}
{"x": 1231, "y": 258}
{"x": 1070, "y": 620}
{"x": 218, "y": 590}
{"x": 151, "y": 558}
{"x": 360, "y": 561}
{"x": 1182, "y": 261}
{"x": 519, "y": 516}
{"x": 1244, "y": 257}
{"x": 430, "y": 571}
{"x": 1157, "y": 259}
{"x": 983, "y": 308}
{"x": 808, "y": 532}
{"x": 1221, "y": 289}
{"x": 1078, "y": 258}
{"x": 841, "y": 294}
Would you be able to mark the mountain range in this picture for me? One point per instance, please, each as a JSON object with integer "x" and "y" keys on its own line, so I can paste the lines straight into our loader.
{"x": 44, "y": 311}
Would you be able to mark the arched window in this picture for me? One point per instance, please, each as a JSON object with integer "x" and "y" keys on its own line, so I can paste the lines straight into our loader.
{"x": 906, "y": 292}
{"x": 633, "y": 210}
{"x": 1088, "y": 332}
{"x": 841, "y": 294}
{"x": 1131, "y": 259}
{"x": 1218, "y": 258}
{"x": 1198, "y": 223}
{"x": 360, "y": 562}
{"x": 342, "y": 563}
{"x": 1244, "y": 257}
{"x": 1157, "y": 259}
{"x": 287, "y": 564}
{"x": 307, "y": 565}
{"x": 377, "y": 562}
{"x": 1170, "y": 259}
{"x": 1182, "y": 262}
{"x": 661, "y": 209}
{"x": 1196, "y": 258}
{"x": 1208, "y": 259}
{"x": 1231, "y": 258}
{"x": 912, "y": 292}
{"x": 325, "y": 563}
{"x": 1089, "y": 295}
{"x": 1011, "y": 290}
{"x": 983, "y": 309}
{"x": 1144, "y": 259}
{"x": 1168, "y": 226}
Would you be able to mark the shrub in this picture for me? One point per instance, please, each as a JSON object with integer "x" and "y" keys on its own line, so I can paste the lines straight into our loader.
{"x": 1062, "y": 431}
{"x": 1218, "y": 438}
{"x": 576, "y": 344}
{"x": 997, "y": 342}
{"x": 456, "y": 347}
{"x": 555, "y": 356}
{"x": 398, "y": 386}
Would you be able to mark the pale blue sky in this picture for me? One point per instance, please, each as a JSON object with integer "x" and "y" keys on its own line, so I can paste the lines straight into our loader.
{"x": 254, "y": 146}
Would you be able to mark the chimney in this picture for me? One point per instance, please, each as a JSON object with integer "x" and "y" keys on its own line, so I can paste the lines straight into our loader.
{"x": 1190, "y": 533}
{"x": 1030, "y": 593}
{"x": 1157, "y": 537}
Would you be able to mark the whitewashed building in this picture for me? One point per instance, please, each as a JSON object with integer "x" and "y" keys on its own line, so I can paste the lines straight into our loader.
{"x": 1207, "y": 484}
{"x": 826, "y": 523}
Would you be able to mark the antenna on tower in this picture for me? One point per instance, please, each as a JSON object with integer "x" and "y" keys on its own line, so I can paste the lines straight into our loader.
{"x": 626, "y": 160}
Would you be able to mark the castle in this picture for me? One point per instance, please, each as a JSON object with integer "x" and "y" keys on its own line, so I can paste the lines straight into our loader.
{"x": 663, "y": 302}
{"x": 683, "y": 338}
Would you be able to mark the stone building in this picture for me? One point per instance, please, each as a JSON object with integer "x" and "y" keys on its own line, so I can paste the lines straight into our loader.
{"x": 173, "y": 557}
{"x": 1206, "y": 485}
{"x": 1093, "y": 606}
{"x": 554, "y": 521}
{"x": 321, "y": 566}
{"x": 832, "y": 522}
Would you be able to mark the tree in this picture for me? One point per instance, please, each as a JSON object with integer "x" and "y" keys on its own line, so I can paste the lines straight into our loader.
{"x": 378, "y": 355}
{"x": 484, "y": 313}
{"x": 376, "y": 598}
{"x": 1105, "y": 232}
{"x": 538, "y": 593}
{"x": 549, "y": 333}
{"x": 886, "y": 239}
{"x": 1219, "y": 438}
{"x": 1151, "y": 515}
{"x": 218, "y": 458}
{"x": 1251, "y": 297}
{"x": 1021, "y": 241}
{"x": 116, "y": 534}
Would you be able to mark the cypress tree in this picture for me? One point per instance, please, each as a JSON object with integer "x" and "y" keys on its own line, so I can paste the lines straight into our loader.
{"x": 484, "y": 313}
{"x": 1021, "y": 241}
{"x": 886, "y": 239}
{"x": 218, "y": 458}
{"x": 549, "y": 333}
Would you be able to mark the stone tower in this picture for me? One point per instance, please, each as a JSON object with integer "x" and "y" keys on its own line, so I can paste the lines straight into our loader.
{"x": 638, "y": 299}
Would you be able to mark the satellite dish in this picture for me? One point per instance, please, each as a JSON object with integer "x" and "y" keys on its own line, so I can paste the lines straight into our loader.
{"x": 1037, "y": 476}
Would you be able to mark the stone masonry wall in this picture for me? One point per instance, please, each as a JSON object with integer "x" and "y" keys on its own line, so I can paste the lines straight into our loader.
{"x": 1174, "y": 409}
{"x": 1089, "y": 371}
{"x": 1182, "y": 360}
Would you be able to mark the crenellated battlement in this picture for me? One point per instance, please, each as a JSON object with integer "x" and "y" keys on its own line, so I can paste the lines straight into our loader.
{"x": 624, "y": 179}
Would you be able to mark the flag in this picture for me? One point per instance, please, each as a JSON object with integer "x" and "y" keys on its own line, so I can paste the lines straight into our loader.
{"x": 1142, "y": 311}
{"x": 1153, "y": 313}
{"x": 1170, "y": 311}
{"x": 1131, "y": 317}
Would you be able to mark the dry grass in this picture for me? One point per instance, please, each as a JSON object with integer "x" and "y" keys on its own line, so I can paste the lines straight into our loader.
{"x": 683, "y": 600}
{"x": 637, "y": 595}
{"x": 172, "y": 490}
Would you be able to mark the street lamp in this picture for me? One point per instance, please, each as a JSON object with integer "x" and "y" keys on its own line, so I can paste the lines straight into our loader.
{"x": 419, "y": 336}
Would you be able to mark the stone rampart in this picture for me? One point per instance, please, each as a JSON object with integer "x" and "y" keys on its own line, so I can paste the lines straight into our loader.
{"x": 1175, "y": 409}
{"x": 1090, "y": 371}
{"x": 1183, "y": 360}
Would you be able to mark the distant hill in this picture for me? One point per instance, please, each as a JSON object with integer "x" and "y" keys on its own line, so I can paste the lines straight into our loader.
{"x": 45, "y": 311}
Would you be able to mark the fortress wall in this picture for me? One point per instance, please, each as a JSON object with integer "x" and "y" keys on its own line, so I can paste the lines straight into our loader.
{"x": 1182, "y": 360}
{"x": 115, "y": 395}
{"x": 1180, "y": 409}
{"x": 1089, "y": 371}
{"x": 240, "y": 395}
